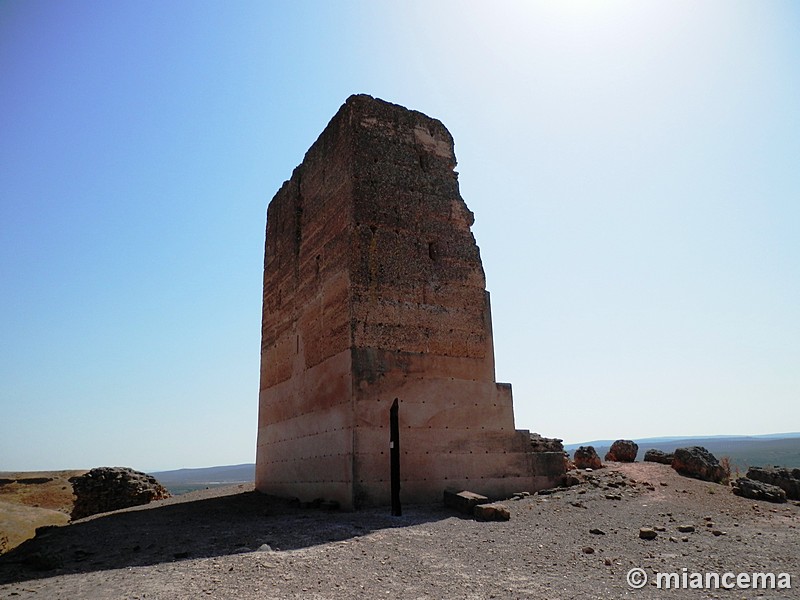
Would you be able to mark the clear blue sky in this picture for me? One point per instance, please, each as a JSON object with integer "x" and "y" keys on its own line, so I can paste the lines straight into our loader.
{"x": 634, "y": 169}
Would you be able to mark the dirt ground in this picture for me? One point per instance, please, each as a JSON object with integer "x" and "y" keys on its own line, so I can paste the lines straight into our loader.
{"x": 233, "y": 543}
{"x": 32, "y": 499}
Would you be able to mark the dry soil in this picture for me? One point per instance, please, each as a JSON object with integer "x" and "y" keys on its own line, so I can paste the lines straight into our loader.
{"x": 234, "y": 543}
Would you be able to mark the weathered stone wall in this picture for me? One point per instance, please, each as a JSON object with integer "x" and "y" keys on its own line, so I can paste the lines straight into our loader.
{"x": 374, "y": 290}
{"x": 305, "y": 416}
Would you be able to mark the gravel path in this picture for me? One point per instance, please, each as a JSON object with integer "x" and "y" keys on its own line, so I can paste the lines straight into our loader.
{"x": 237, "y": 544}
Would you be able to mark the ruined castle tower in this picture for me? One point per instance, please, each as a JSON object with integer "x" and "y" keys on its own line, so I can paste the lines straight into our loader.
{"x": 374, "y": 290}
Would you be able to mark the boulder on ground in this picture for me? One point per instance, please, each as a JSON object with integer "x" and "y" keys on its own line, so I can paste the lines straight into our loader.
{"x": 111, "y": 488}
{"x": 586, "y": 457}
{"x": 623, "y": 451}
{"x": 758, "y": 490}
{"x": 786, "y": 479}
{"x": 658, "y": 456}
{"x": 699, "y": 463}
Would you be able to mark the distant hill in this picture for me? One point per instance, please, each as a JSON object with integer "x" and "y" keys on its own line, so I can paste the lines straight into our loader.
{"x": 744, "y": 451}
{"x": 181, "y": 481}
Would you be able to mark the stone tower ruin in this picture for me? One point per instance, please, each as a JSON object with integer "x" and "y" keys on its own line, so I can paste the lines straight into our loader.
{"x": 374, "y": 290}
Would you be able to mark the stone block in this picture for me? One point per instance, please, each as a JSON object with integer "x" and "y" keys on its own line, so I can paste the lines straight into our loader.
{"x": 463, "y": 501}
{"x": 491, "y": 512}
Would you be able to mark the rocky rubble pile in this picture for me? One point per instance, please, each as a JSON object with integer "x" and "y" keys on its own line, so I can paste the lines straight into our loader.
{"x": 786, "y": 479}
{"x": 758, "y": 490}
{"x": 540, "y": 443}
{"x": 586, "y": 457}
{"x": 111, "y": 488}
{"x": 623, "y": 451}
{"x": 657, "y": 456}
{"x": 699, "y": 463}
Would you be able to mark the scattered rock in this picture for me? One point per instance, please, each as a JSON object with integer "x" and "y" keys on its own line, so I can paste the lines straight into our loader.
{"x": 647, "y": 533}
{"x": 623, "y": 451}
{"x": 491, "y": 512}
{"x": 658, "y": 456}
{"x": 699, "y": 463}
{"x": 596, "y": 531}
{"x": 111, "y": 488}
{"x": 659, "y": 528}
{"x": 717, "y": 532}
{"x": 686, "y": 528}
{"x": 613, "y": 497}
{"x": 586, "y": 457}
{"x": 587, "y": 550}
{"x": 786, "y": 479}
{"x": 570, "y": 481}
{"x": 758, "y": 490}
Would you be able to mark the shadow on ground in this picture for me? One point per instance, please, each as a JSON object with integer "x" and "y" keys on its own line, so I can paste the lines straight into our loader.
{"x": 219, "y": 526}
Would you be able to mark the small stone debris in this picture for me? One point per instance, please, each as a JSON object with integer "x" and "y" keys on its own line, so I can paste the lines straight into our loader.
{"x": 686, "y": 528}
{"x": 587, "y": 550}
{"x": 596, "y": 531}
{"x": 613, "y": 497}
{"x": 647, "y": 533}
{"x": 718, "y": 533}
{"x": 607, "y": 562}
{"x": 659, "y": 528}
